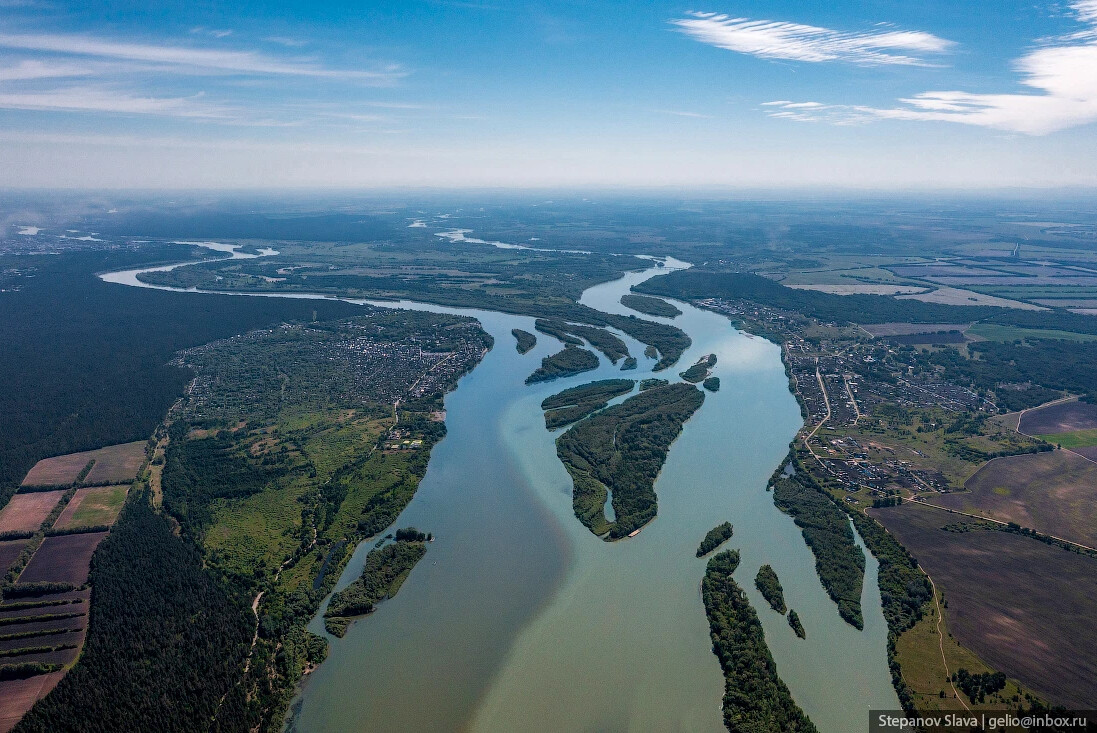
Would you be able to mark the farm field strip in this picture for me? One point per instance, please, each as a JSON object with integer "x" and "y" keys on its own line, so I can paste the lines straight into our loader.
{"x": 26, "y": 512}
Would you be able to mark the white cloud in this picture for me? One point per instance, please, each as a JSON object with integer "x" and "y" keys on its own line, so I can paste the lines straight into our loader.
{"x": 94, "y": 99}
{"x": 1062, "y": 74}
{"x": 28, "y": 70}
{"x": 239, "y": 62}
{"x": 770, "y": 39}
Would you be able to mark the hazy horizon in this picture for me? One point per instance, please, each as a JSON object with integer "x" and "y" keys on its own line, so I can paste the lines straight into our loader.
{"x": 748, "y": 94}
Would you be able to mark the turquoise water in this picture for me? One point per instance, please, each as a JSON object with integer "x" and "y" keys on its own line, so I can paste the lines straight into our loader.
{"x": 519, "y": 619}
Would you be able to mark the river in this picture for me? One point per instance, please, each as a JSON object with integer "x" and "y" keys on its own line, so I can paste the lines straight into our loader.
{"x": 519, "y": 619}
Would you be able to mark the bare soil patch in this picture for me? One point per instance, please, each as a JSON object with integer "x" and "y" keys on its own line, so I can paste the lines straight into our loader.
{"x": 64, "y": 559}
{"x": 8, "y": 552}
{"x": 116, "y": 464}
{"x": 1024, "y": 607}
{"x": 26, "y": 512}
{"x": 1064, "y": 417}
{"x": 57, "y": 471}
{"x": 18, "y": 696}
{"x": 1053, "y": 493}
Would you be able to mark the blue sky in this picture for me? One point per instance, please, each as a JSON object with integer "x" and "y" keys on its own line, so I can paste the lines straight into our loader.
{"x": 883, "y": 94}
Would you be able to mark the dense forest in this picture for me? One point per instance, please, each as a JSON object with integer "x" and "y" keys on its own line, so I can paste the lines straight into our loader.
{"x": 623, "y": 448}
{"x": 699, "y": 371}
{"x": 576, "y": 403}
{"x": 650, "y": 306}
{"x": 715, "y": 537}
{"x": 85, "y": 362}
{"x": 755, "y": 698}
{"x": 1058, "y": 365}
{"x": 769, "y": 586}
{"x": 796, "y": 625}
{"x": 838, "y": 560}
{"x": 523, "y": 340}
{"x": 166, "y": 641}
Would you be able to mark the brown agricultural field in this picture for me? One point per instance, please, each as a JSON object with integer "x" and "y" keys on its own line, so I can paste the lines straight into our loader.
{"x": 57, "y": 471}
{"x": 63, "y": 559}
{"x": 1024, "y": 607}
{"x": 92, "y": 507}
{"x": 18, "y": 696}
{"x": 1054, "y": 493}
{"x": 116, "y": 464}
{"x": 1065, "y": 417}
{"x": 8, "y": 552}
{"x": 26, "y": 512}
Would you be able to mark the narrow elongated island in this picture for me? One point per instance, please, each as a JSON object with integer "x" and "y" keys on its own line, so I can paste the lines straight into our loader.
{"x": 755, "y": 698}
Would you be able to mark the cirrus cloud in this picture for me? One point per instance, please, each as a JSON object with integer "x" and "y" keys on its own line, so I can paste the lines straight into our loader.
{"x": 772, "y": 39}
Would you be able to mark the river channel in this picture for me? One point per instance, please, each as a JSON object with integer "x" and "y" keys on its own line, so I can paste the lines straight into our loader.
{"x": 519, "y": 619}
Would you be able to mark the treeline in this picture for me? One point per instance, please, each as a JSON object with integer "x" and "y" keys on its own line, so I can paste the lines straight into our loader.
{"x": 755, "y": 698}
{"x": 85, "y": 362}
{"x": 385, "y": 570}
{"x": 977, "y": 686}
{"x": 623, "y": 449}
{"x": 839, "y": 562}
{"x": 166, "y": 642}
{"x": 857, "y": 308}
{"x": 694, "y": 283}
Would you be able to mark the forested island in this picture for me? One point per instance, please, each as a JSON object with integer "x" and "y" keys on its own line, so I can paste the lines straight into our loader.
{"x": 700, "y": 370}
{"x": 646, "y": 384}
{"x": 575, "y": 403}
{"x": 523, "y": 340}
{"x": 755, "y": 698}
{"x": 712, "y": 384}
{"x": 567, "y": 362}
{"x": 838, "y": 560}
{"x": 650, "y": 306}
{"x": 572, "y": 334}
{"x": 797, "y": 626}
{"x": 622, "y": 450}
{"x": 385, "y": 570}
{"x": 715, "y": 537}
{"x": 770, "y": 587}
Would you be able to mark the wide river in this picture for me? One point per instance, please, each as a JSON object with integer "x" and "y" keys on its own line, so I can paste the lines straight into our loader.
{"x": 519, "y": 619}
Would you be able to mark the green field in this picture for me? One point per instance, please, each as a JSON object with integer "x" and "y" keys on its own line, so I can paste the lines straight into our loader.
{"x": 99, "y": 507}
{"x": 1076, "y": 439}
{"x": 994, "y": 332}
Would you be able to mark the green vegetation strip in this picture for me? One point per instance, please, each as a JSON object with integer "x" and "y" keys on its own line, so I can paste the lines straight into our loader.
{"x": 385, "y": 570}
{"x": 839, "y": 562}
{"x": 770, "y": 587}
{"x": 622, "y": 449}
{"x": 755, "y": 698}
{"x": 1075, "y": 439}
{"x": 715, "y": 537}
{"x": 650, "y": 306}
{"x": 576, "y": 403}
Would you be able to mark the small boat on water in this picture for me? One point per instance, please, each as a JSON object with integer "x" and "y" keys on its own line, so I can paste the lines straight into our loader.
{"x": 633, "y": 533}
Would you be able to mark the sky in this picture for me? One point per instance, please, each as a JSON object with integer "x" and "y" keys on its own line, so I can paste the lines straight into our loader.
{"x": 846, "y": 94}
